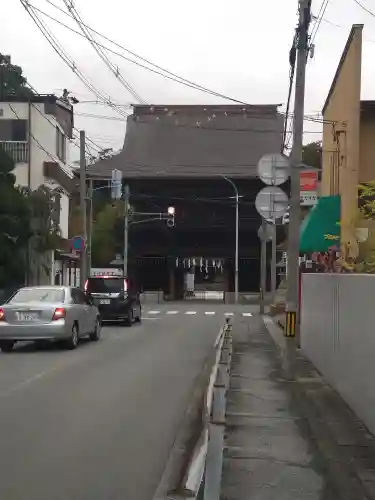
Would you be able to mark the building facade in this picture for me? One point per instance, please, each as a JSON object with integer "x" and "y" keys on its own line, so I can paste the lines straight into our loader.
{"x": 183, "y": 156}
{"x": 35, "y": 132}
{"x": 348, "y": 139}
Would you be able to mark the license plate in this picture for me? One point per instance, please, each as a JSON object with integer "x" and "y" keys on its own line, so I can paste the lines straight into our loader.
{"x": 26, "y": 316}
{"x": 105, "y": 301}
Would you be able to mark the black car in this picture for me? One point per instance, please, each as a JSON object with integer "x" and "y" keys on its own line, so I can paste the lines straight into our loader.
{"x": 114, "y": 299}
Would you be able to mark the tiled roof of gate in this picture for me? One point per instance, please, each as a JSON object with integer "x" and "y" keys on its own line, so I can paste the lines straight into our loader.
{"x": 196, "y": 141}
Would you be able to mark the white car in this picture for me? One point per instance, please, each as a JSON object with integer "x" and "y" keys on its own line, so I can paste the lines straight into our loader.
{"x": 48, "y": 313}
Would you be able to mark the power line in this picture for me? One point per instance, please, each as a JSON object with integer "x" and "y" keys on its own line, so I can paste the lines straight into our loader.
{"x": 88, "y": 34}
{"x": 160, "y": 71}
{"x": 318, "y": 20}
{"x": 364, "y": 8}
{"x": 50, "y": 155}
{"x": 60, "y": 51}
{"x": 103, "y": 117}
{"x": 77, "y": 145}
{"x": 292, "y": 64}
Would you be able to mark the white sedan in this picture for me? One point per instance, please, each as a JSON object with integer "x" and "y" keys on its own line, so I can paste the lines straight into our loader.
{"x": 48, "y": 313}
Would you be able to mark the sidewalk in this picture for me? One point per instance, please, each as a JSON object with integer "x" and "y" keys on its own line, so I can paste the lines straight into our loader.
{"x": 268, "y": 454}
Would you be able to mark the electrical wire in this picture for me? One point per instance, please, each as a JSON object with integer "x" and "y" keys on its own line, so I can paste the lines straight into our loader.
{"x": 76, "y": 144}
{"x": 60, "y": 51}
{"x": 292, "y": 64}
{"x": 318, "y": 20}
{"x": 364, "y": 8}
{"x": 167, "y": 74}
{"x": 94, "y": 145}
{"x": 227, "y": 201}
{"x": 42, "y": 148}
{"x": 90, "y": 37}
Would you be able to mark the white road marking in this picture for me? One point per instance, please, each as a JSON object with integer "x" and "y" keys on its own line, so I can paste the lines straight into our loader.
{"x": 172, "y": 312}
{"x": 153, "y": 312}
{"x": 210, "y": 313}
{"x": 191, "y": 312}
{"x": 228, "y": 314}
{"x": 246, "y": 314}
{"x": 151, "y": 319}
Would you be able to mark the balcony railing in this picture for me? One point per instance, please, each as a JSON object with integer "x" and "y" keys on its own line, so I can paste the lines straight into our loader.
{"x": 17, "y": 150}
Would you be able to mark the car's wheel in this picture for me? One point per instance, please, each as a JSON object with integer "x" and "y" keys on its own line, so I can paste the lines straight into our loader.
{"x": 72, "y": 342}
{"x": 6, "y": 345}
{"x": 95, "y": 335}
{"x": 130, "y": 319}
{"x": 139, "y": 317}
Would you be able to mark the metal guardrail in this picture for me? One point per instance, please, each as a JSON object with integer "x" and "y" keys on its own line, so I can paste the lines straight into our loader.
{"x": 207, "y": 457}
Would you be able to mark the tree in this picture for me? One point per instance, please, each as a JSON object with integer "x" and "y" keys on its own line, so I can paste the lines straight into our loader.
{"x": 104, "y": 240}
{"x": 12, "y": 81}
{"x": 14, "y": 225}
{"x": 108, "y": 233}
{"x": 28, "y": 227}
{"x": 312, "y": 154}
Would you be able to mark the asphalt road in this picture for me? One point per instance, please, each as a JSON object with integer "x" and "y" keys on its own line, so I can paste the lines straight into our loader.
{"x": 98, "y": 423}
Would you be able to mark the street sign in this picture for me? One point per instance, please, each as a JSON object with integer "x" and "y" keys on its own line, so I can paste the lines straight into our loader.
{"x": 116, "y": 184}
{"x": 273, "y": 169}
{"x": 271, "y": 203}
{"x": 308, "y": 198}
{"x": 308, "y": 181}
{"x": 77, "y": 243}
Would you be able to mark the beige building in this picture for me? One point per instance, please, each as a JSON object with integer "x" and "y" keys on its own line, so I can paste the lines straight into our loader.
{"x": 348, "y": 138}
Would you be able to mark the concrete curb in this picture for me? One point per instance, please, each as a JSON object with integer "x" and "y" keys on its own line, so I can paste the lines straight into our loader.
{"x": 185, "y": 448}
{"x": 348, "y": 476}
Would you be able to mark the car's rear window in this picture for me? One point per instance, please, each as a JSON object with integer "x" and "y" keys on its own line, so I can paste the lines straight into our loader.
{"x": 105, "y": 285}
{"x": 37, "y": 295}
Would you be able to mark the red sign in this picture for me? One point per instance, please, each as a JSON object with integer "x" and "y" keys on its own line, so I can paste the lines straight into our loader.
{"x": 308, "y": 181}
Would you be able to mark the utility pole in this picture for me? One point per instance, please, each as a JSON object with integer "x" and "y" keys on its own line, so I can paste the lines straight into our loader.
{"x": 91, "y": 218}
{"x": 126, "y": 229}
{"x": 273, "y": 263}
{"x": 236, "y": 259}
{"x": 296, "y": 160}
{"x": 83, "y": 195}
{"x": 263, "y": 265}
{"x": 237, "y": 227}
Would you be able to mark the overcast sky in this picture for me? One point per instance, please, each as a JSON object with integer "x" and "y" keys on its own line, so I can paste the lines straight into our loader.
{"x": 238, "y": 48}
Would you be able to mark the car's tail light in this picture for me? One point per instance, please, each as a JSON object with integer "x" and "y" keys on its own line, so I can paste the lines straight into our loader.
{"x": 59, "y": 313}
{"x": 86, "y": 285}
{"x": 2, "y": 314}
{"x": 125, "y": 286}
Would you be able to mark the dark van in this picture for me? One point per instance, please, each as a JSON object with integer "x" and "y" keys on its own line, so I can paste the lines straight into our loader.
{"x": 115, "y": 301}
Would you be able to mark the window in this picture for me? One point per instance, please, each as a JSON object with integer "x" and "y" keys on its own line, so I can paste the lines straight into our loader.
{"x": 60, "y": 145}
{"x": 106, "y": 285}
{"x": 13, "y": 130}
{"x": 26, "y": 295}
{"x": 78, "y": 297}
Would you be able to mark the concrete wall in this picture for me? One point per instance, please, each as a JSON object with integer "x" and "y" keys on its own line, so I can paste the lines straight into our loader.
{"x": 338, "y": 336}
{"x": 341, "y": 132}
